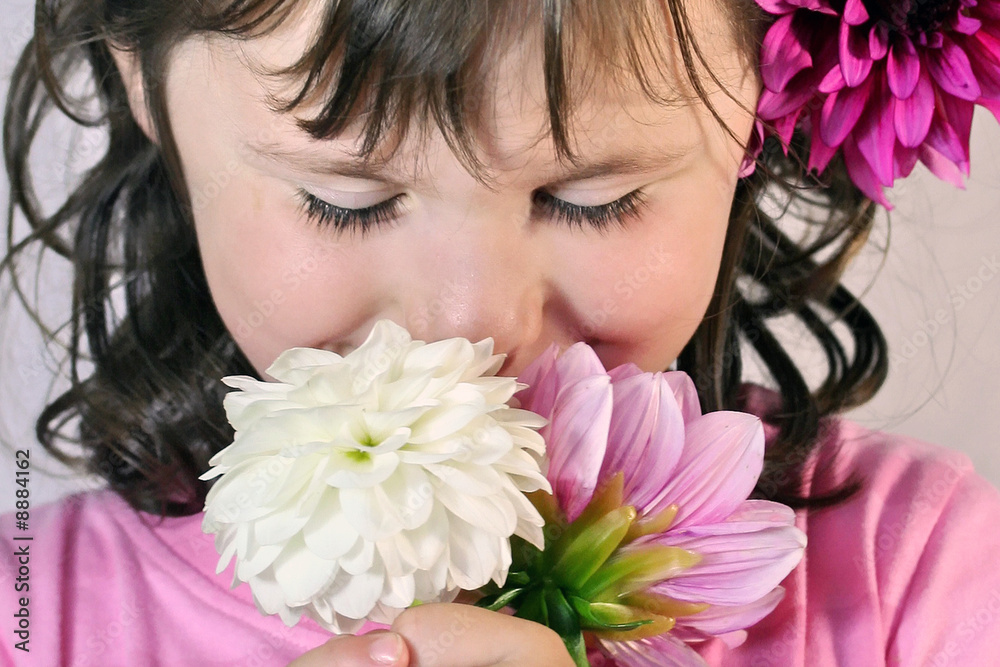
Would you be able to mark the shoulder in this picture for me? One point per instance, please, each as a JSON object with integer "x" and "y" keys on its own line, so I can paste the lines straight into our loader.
{"x": 920, "y": 537}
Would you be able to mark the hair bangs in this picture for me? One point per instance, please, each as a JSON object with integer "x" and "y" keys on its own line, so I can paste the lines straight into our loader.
{"x": 384, "y": 66}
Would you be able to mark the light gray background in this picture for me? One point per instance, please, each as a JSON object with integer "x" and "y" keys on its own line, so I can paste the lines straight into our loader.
{"x": 936, "y": 294}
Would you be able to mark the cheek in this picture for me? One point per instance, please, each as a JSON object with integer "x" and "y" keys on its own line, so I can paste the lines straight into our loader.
{"x": 276, "y": 281}
{"x": 645, "y": 307}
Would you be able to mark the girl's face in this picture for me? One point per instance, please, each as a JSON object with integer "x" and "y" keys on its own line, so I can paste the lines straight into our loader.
{"x": 453, "y": 256}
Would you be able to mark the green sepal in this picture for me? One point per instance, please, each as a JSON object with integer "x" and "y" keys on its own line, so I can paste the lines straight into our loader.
{"x": 519, "y": 579}
{"x": 498, "y": 601}
{"x": 589, "y": 550}
{"x": 565, "y": 622}
{"x": 626, "y": 573}
{"x": 533, "y": 607}
{"x": 595, "y": 618}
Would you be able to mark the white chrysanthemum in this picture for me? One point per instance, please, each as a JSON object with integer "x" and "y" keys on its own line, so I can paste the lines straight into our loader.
{"x": 358, "y": 484}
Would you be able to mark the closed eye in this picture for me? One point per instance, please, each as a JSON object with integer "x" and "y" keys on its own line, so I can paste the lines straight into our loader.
{"x": 602, "y": 217}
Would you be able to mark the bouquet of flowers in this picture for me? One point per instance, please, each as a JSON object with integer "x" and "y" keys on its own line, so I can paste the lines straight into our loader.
{"x": 602, "y": 504}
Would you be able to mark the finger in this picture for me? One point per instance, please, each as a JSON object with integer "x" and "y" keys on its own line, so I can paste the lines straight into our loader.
{"x": 375, "y": 649}
{"x": 458, "y": 635}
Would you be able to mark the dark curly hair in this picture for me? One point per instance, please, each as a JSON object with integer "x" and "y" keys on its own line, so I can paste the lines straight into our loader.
{"x": 147, "y": 413}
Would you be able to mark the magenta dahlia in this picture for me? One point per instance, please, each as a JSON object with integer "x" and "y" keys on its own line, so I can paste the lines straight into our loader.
{"x": 888, "y": 82}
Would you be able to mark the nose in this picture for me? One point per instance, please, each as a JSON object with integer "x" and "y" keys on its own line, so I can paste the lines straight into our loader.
{"x": 483, "y": 286}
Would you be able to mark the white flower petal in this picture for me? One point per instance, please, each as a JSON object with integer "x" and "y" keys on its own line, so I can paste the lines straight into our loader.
{"x": 357, "y": 484}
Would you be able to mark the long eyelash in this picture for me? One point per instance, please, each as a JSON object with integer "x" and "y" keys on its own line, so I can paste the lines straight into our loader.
{"x": 602, "y": 218}
{"x": 341, "y": 219}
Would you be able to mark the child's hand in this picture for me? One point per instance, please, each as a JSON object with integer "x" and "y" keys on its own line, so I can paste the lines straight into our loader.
{"x": 452, "y": 635}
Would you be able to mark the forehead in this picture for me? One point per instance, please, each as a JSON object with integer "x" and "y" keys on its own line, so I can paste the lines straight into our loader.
{"x": 510, "y": 116}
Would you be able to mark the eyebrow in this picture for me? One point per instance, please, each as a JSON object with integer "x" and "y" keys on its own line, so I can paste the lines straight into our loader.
{"x": 641, "y": 161}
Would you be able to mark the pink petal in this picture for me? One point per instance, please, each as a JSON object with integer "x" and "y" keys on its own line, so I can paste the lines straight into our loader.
{"x": 912, "y": 116}
{"x": 659, "y": 651}
{"x": 542, "y": 381}
{"x": 855, "y": 61}
{"x": 841, "y": 112}
{"x": 547, "y": 375}
{"x": 952, "y": 71}
{"x": 903, "y": 68}
{"x": 855, "y": 12}
{"x": 576, "y": 441}
{"x": 722, "y": 459}
{"x": 783, "y": 54}
{"x": 719, "y": 620}
{"x": 646, "y": 436}
{"x": 685, "y": 394}
{"x": 742, "y": 559}
{"x": 626, "y": 370}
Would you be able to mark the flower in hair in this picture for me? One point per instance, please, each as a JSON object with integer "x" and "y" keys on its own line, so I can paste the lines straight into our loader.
{"x": 357, "y": 485}
{"x": 651, "y": 543}
{"x": 887, "y": 82}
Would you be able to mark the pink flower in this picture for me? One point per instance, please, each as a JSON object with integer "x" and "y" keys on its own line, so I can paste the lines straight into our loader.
{"x": 889, "y": 82}
{"x": 694, "y": 555}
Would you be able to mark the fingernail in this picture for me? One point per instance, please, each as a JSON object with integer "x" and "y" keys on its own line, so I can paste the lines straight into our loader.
{"x": 387, "y": 649}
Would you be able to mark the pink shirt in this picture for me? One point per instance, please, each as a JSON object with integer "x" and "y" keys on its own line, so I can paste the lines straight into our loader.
{"x": 905, "y": 573}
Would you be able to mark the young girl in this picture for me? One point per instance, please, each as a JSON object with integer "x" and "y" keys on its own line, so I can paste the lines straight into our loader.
{"x": 285, "y": 174}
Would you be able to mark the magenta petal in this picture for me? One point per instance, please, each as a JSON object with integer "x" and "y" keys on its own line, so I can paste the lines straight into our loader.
{"x": 949, "y": 133}
{"x": 952, "y": 71}
{"x": 878, "y": 41}
{"x": 576, "y": 441}
{"x": 841, "y": 112}
{"x": 772, "y": 106}
{"x": 905, "y": 159}
{"x": 984, "y": 52}
{"x": 855, "y": 12}
{"x": 965, "y": 25}
{"x": 646, "y": 437}
{"x": 832, "y": 81}
{"x": 912, "y": 116}
{"x": 941, "y": 166}
{"x": 720, "y": 619}
{"x": 685, "y": 394}
{"x": 722, "y": 459}
{"x": 819, "y": 153}
{"x": 876, "y": 135}
{"x": 855, "y": 61}
{"x": 993, "y": 106}
{"x": 903, "y": 68}
{"x": 862, "y": 175}
{"x": 783, "y": 55}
